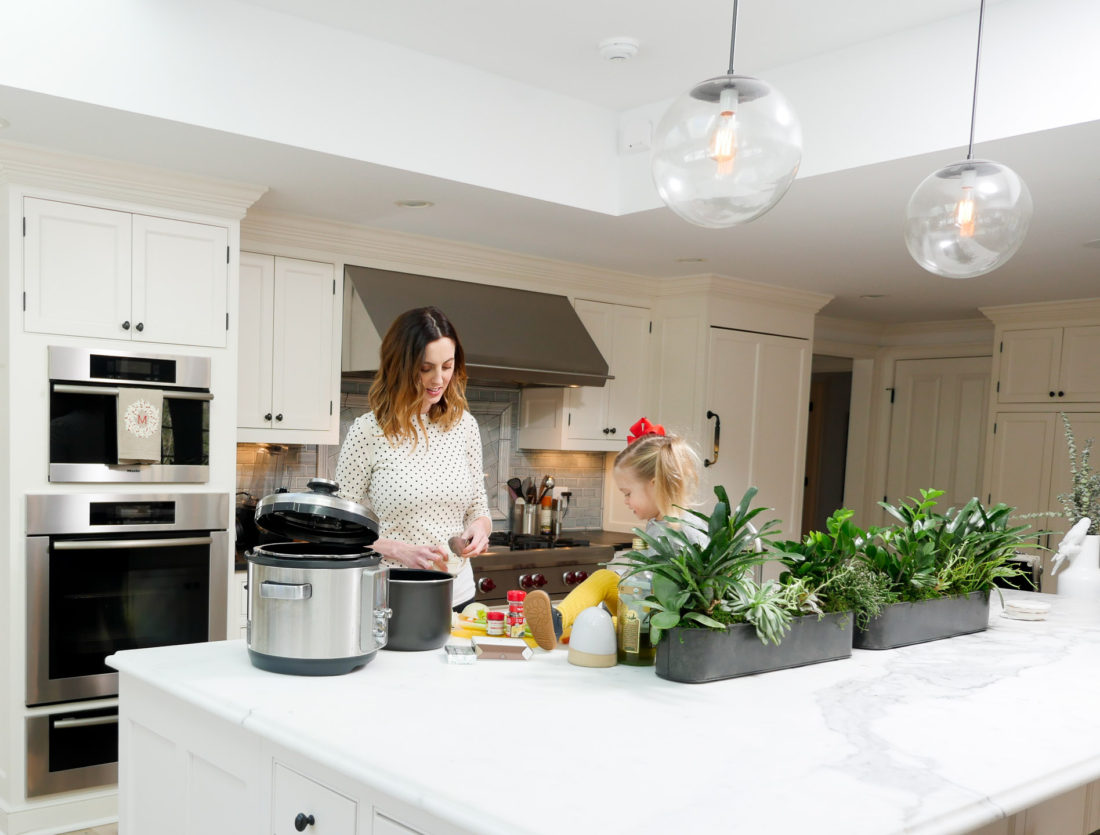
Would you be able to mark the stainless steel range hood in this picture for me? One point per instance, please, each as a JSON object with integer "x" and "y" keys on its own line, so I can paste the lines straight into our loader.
{"x": 511, "y": 337}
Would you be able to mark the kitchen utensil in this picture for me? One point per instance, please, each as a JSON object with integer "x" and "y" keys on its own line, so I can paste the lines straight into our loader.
{"x": 421, "y": 604}
{"x": 319, "y": 606}
{"x": 457, "y": 544}
{"x": 530, "y": 492}
{"x": 516, "y": 486}
{"x": 547, "y": 485}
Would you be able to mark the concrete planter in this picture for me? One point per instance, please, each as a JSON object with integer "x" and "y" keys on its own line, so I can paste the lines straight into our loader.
{"x": 902, "y": 624}
{"x": 695, "y": 656}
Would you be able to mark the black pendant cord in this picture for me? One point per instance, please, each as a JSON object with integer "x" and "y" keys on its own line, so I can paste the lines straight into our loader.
{"x": 733, "y": 36}
{"x": 977, "y": 64}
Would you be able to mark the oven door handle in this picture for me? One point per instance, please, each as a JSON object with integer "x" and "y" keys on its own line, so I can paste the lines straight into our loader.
{"x": 104, "y": 544}
{"x": 86, "y": 722}
{"x": 68, "y": 388}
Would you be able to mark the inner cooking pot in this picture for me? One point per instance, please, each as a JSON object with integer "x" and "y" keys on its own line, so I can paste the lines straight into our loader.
{"x": 421, "y": 604}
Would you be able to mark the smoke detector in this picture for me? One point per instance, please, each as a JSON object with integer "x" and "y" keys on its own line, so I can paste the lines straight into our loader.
{"x": 618, "y": 49}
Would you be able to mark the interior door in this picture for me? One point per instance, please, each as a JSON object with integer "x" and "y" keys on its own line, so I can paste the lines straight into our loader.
{"x": 937, "y": 429}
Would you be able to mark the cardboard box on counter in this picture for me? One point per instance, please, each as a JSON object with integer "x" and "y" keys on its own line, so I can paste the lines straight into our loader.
{"x": 509, "y": 649}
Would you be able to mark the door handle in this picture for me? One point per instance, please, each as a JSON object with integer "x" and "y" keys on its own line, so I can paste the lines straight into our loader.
{"x": 717, "y": 437}
{"x": 106, "y": 544}
{"x": 85, "y": 722}
{"x": 286, "y": 591}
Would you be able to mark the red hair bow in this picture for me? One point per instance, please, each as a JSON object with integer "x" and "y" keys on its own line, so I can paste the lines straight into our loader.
{"x": 642, "y": 428}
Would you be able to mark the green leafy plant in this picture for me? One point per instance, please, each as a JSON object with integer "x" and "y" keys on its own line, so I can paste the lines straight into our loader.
{"x": 1083, "y": 499}
{"x": 710, "y": 586}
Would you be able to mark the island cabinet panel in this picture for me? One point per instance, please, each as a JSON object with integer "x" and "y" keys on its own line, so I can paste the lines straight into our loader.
{"x": 300, "y": 804}
{"x": 1050, "y": 365}
{"x": 288, "y": 360}
{"x": 595, "y": 418}
{"x": 102, "y": 273}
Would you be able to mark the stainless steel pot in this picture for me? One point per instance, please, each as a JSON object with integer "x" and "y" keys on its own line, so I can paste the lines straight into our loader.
{"x": 318, "y": 607}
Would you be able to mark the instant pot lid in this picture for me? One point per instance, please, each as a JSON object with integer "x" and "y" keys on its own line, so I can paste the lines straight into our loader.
{"x": 317, "y": 516}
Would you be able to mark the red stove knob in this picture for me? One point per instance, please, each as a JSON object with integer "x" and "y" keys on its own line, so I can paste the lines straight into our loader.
{"x": 485, "y": 585}
{"x": 581, "y": 576}
{"x": 569, "y": 578}
{"x": 527, "y": 581}
{"x": 539, "y": 580}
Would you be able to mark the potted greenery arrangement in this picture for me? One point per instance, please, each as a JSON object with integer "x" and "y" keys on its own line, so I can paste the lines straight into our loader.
{"x": 940, "y": 568}
{"x": 710, "y": 620}
{"x": 1079, "y": 576}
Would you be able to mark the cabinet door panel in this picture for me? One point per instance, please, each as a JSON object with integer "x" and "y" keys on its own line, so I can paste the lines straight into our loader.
{"x": 257, "y": 288}
{"x": 1080, "y": 379}
{"x": 630, "y": 364}
{"x": 293, "y": 795}
{"x": 1029, "y": 365}
{"x": 588, "y": 404}
{"x": 303, "y": 358}
{"x": 181, "y": 282}
{"x": 937, "y": 429}
{"x": 76, "y": 269}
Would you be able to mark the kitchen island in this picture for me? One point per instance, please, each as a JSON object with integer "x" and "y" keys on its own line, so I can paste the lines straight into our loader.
{"x": 949, "y": 736}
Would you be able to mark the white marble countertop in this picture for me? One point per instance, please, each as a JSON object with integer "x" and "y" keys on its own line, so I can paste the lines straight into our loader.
{"x": 939, "y": 737}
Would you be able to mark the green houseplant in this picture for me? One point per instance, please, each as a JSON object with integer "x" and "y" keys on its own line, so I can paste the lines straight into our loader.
{"x": 940, "y": 567}
{"x": 710, "y": 619}
{"x": 1083, "y": 498}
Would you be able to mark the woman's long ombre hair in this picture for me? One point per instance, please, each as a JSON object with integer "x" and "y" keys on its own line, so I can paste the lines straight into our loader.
{"x": 397, "y": 392}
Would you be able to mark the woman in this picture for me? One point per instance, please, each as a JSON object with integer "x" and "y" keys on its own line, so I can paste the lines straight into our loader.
{"x": 415, "y": 458}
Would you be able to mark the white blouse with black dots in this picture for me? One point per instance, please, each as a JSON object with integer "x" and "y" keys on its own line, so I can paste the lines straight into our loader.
{"x": 422, "y": 496}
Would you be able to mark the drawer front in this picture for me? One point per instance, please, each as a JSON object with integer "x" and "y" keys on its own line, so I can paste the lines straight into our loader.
{"x": 294, "y": 795}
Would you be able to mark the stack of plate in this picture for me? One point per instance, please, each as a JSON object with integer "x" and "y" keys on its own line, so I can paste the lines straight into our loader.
{"x": 1025, "y": 609}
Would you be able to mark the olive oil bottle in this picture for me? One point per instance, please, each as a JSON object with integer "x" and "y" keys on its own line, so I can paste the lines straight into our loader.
{"x": 632, "y": 627}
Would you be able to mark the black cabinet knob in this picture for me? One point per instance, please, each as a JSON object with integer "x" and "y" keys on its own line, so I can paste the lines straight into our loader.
{"x": 606, "y": 430}
{"x": 141, "y": 326}
{"x": 612, "y": 430}
{"x": 302, "y": 821}
{"x": 279, "y": 416}
{"x": 126, "y": 327}
{"x": 1052, "y": 394}
{"x": 267, "y": 416}
{"x": 1061, "y": 394}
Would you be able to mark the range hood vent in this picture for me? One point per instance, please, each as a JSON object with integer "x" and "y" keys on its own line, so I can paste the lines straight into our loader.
{"x": 511, "y": 337}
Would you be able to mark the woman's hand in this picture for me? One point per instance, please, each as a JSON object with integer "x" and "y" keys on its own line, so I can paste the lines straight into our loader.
{"x": 477, "y": 536}
{"x": 414, "y": 556}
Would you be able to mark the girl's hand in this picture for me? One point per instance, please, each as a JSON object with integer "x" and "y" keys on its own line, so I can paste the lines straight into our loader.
{"x": 477, "y": 536}
{"x": 414, "y": 556}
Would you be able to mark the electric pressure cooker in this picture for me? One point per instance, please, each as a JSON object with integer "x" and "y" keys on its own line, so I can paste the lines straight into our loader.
{"x": 316, "y": 607}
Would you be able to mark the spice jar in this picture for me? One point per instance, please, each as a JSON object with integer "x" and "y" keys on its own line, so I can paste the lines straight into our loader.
{"x": 494, "y": 623}
{"x": 516, "y": 621}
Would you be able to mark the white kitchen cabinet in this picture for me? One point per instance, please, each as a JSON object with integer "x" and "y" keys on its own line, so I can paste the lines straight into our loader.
{"x": 1030, "y": 468}
{"x": 288, "y": 372}
{"x": 237, "y": 621}
{"x": 109, "y": 274}
{"x": 595, "y": 418}
{"x": 1049, "y": 365}
{"x": 299, "y": 803}
{"x": 758, "y": 393}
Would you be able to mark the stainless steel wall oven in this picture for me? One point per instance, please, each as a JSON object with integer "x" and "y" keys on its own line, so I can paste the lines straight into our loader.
{"x": 118, "y": 571}
{"x": 84, "y": 394}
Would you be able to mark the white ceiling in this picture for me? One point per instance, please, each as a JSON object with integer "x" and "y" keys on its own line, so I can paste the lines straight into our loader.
{"x": 837, "y": 233}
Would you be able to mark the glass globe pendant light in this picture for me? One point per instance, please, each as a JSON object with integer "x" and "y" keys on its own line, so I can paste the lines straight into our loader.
{"x": 970, "y": 217}
{"x": 727, "y": 150}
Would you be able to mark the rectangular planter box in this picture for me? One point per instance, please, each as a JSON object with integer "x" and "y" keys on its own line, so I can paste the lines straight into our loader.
{"x": 902, "y": 624}
{"x": 698, "y": 655}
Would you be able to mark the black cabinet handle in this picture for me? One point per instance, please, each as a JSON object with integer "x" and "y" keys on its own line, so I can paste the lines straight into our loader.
{"x": 279, "y": 416}
{"x": 126, "y": 327}
{"x": 302, "y": 821}
{"x": 612, "y": 430}
{"x": 141, "y": 326}
{"x": 267, "y": 416}
{"x": 606, "y": 430}
{"x": 717, "y": 437}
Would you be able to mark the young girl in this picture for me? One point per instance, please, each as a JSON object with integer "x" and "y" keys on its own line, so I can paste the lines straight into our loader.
{"x": 657, "y": 473}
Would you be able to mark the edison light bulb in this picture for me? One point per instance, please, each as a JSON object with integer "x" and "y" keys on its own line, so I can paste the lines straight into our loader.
{"x": 722, "y": 144}
{"x": 964, "y": 209}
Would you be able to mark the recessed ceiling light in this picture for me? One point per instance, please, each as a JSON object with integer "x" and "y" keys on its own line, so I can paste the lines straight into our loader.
{"x": 873, "y": 296}
{"x": 414, "y": 204}
{"x": 690, "y": 260}
{"x": 4, "y": 123}
{"x": 1095, "y": 244}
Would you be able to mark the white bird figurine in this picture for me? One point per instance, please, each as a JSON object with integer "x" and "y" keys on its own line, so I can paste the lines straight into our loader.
{"x": 1071, "y": 544}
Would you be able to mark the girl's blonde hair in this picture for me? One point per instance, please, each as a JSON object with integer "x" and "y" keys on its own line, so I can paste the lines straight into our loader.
{"x": 670, "y": 463}
{"x": 397, "y": 393}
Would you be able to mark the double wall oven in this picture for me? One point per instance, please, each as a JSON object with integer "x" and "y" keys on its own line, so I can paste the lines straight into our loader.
{"x": 109, "y": 572}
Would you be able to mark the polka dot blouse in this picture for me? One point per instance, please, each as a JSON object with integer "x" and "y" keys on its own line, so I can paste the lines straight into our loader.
{"x": 422, "y": 496}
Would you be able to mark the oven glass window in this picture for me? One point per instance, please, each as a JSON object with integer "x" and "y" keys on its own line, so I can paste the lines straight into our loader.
{"x": 103, "y": 601}
{"x": 83, "y": 430}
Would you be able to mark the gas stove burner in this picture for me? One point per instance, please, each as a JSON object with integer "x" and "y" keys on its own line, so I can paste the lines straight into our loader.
{"x": 527, "y": 542}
